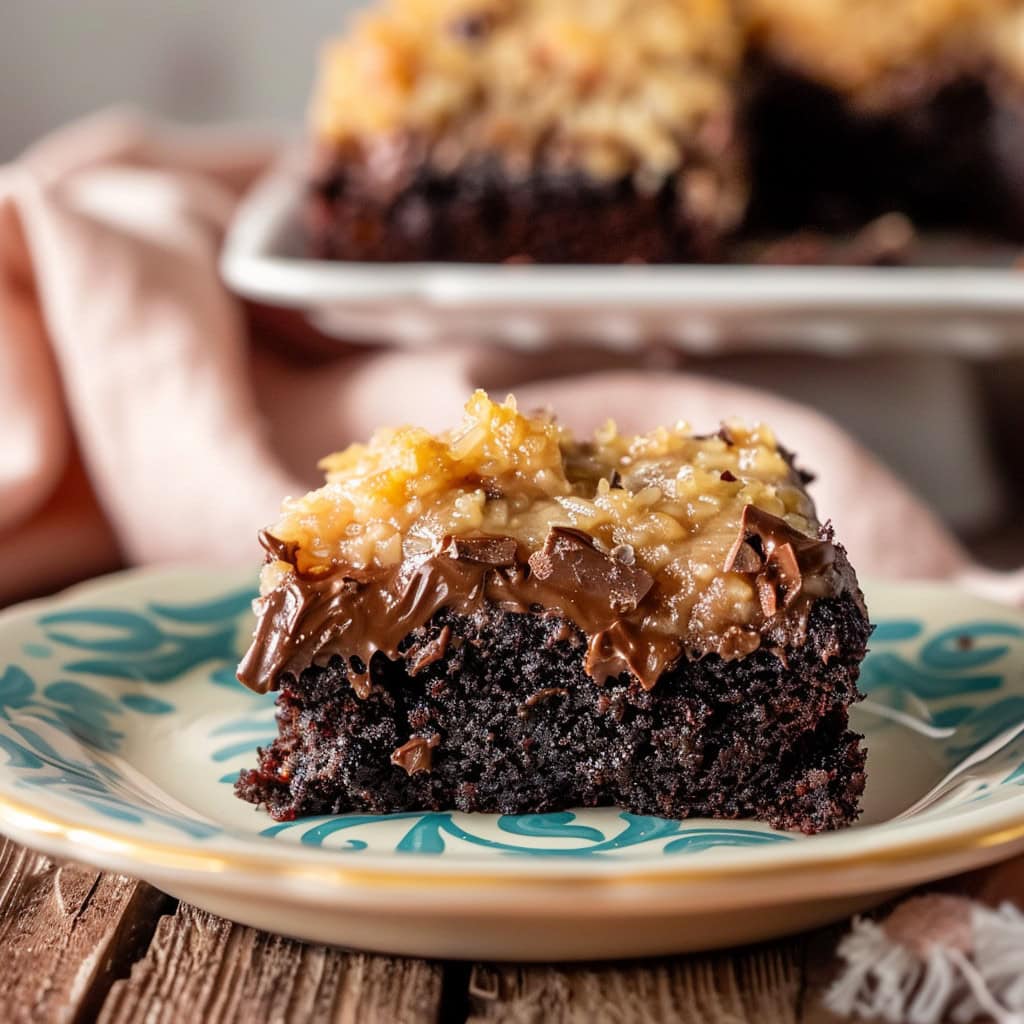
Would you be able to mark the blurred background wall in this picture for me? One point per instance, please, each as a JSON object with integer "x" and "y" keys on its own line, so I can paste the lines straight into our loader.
{"x": 198, "y": 60}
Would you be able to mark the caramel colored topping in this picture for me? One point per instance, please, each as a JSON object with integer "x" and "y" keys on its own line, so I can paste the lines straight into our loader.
{"x": 625, "y": 87}
{"x": 416, "y": 755}
{"x": 708, "y": 545}
{"x": 500, "y": 474}
{"x": 866, "y": 47}
{"x": 1004, "y": 39}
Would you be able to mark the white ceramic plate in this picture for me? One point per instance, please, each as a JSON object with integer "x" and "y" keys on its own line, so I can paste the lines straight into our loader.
{"x": 122, "y": 729}
{"x": 701, "y": 309}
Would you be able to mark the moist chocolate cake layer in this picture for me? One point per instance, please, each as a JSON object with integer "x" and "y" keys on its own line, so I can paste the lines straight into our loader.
{"x": 480, "y": 216}
{"x": 494, "y": 712}
{"x": 948, "y": 156}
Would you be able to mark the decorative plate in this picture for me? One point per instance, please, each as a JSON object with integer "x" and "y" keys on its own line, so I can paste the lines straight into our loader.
{"x": 974, "y": 310}
{"x": 122, "y": 729}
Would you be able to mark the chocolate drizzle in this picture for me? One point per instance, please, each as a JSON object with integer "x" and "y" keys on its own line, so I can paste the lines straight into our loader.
{"x": 314, "y": 616}
{"x": 416, "y": 755}
{"x": 353, "y": 613}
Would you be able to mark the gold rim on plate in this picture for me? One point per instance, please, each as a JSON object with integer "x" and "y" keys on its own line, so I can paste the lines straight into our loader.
{"x": 285, "y": 865}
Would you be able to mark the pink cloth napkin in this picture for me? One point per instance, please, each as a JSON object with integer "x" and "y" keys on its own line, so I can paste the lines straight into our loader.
{"x": 147, "y": 415}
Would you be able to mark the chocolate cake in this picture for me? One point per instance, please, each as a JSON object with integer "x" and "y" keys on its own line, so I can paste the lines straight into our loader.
{"x": 597, "y": 131}
{"x": 856, "y": 109}
{"x": 504, "y": 619}
{"x": 543, "y": 130}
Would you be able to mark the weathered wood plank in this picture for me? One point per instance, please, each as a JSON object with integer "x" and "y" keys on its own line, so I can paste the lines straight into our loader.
{"x": 821, "y": 966}
{"x": 66, "y": 933}
{"x": 761, "y": 984}
{"x": 203, "y": 968}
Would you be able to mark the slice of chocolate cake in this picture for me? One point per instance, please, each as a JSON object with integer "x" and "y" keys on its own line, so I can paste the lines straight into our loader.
{"x": 610, "y": 131}
{"x": 503, "y": 619}
{"x": 591, "y": 131}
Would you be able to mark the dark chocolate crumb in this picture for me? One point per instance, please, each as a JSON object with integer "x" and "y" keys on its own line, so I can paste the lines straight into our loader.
{"x": 539, "y": 697}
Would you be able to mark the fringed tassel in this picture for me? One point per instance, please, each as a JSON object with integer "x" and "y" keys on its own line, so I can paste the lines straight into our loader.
{"x": 935, "y": 958}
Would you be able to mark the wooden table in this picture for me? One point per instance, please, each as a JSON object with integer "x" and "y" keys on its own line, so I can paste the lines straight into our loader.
{"x": 80, "y": 945}
{"x": 77, "y": 944}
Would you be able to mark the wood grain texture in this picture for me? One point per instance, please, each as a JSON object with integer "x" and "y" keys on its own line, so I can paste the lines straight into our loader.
{"x": 761, "y": 985}
{"x": 66, "y": 933}
{"x": 203, "y": 968}
{"x": 77, "y": 945}
{"x": 821, "y": 965}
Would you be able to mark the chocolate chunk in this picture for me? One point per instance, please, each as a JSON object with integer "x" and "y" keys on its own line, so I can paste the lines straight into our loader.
{"x": 728, "y": 476}
{"x": 616, "y": 481}
{"x": 767, "y": 595}
{"x": 742, "y": 557}
{"x": 288, "y": 551}
{"x": 787, "y": 570}
{"x": 562, "y": 633}
{"x": 569, "y": 562}
{"x": 497, "y": 551}
{"x": 785, "y": 556}
{"x": 738, "y": 643}
{"x": 361, "y": 684}
{"x": 418, "y": 658}
{"x": 764, "y": 533}
{"x": 416, "y": 755}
